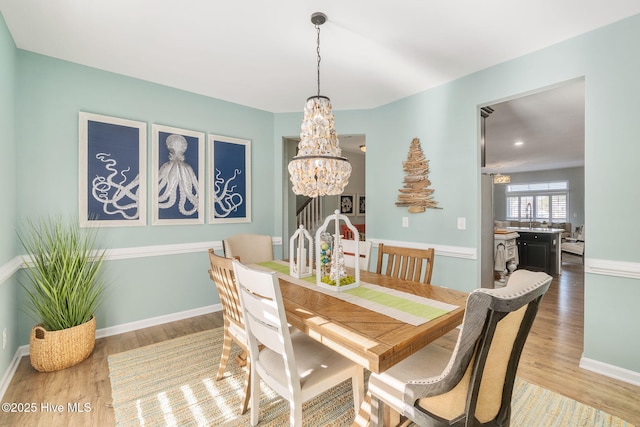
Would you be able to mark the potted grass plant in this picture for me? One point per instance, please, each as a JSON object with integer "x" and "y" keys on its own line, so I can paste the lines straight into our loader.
{"x": 64, "y": 287}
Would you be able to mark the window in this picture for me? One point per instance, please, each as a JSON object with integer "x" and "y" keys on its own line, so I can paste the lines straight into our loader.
{"x": 542, "y": 201}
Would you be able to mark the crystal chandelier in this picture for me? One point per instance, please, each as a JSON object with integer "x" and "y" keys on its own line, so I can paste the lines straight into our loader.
{"x": 318, "y": 169}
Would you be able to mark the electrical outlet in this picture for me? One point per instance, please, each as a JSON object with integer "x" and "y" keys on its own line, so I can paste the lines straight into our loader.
{"x": 462, "y": 223}
{"x": 405, "y": 221}
{"x": 4, "y": 338}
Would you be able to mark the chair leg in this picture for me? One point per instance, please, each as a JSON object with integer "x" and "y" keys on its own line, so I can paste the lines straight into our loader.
{"x": 241, "y": 358}
{"x": 224, "y": 358}
{"x": 357, "y": 384}
{"x": 363, "y": 415}
{"x": 295, "y": 419}
{"x": 247, "y": 390}
{"x": 255, "y": 395}
{"x": 377, "y": 412}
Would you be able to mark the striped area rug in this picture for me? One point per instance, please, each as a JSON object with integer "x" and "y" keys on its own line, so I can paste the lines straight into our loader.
{"x": 173, "y": 383}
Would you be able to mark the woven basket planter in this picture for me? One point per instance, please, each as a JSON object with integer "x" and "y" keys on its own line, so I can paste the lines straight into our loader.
{"x": 55, "y": 350}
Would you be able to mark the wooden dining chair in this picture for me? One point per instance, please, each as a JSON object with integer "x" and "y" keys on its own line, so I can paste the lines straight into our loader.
{"x": 349, "y": 250}
{"x": 406, "y": 263}
{"x": 249, "y": 248}
{"x": 294, "y": 365}
{"x": 473, "y": 384}
{"x": 234, "y": 328}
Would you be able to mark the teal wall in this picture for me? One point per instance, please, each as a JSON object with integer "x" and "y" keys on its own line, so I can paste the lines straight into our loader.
{"x": 8, "y": 284}
{"x": 52, "y": 92}
{"x": 446, "y": 121}
{"x": 48, "y": 94}
{"x": 7, "y": 143}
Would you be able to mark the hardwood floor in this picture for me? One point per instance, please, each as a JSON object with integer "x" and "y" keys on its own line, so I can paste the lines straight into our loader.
{"x": 88, "y": 382}
{"x": 552, "y": 353}
{"x": 550, "y": 359}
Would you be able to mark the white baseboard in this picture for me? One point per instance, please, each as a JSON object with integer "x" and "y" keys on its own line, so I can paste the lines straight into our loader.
{"x": 11, "y": 370}
{"x": 106, "y": 332}
{"x": 154, "y": 321}
{"x": 610, "y": 371}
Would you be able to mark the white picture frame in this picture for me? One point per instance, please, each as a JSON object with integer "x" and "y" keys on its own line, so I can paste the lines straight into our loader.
{"x": 112, "y": 171}
{"x": 180, "y": 161}
{"x": 229, "y": 180}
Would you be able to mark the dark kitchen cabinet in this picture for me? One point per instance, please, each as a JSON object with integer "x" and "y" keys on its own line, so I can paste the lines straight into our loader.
{"x": 535, "y": 251}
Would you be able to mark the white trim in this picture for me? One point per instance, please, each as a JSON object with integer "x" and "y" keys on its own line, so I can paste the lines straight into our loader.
{"x": 11, "y": 370}
{"x": 610, "y": 371}
{"x": 607, "y": 267}
{"x": 161, "y": 250}
{"x": 442, "y": 250}
{"x": 10, "y": 268}
{"x": 154, "y": 321}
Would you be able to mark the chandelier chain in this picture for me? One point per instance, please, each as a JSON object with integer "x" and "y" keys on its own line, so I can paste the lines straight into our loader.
{"x": 318, "y": 53}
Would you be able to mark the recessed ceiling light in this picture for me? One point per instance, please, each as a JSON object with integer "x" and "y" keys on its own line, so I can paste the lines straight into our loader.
{"x": 517, "y": 143}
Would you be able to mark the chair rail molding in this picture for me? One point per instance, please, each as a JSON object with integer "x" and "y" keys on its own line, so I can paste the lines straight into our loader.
{"x": 442, "y": 250}
{"x": 10, "y": 268}
{"x": 605, "y": 267}
{"x": 630, "y": 270}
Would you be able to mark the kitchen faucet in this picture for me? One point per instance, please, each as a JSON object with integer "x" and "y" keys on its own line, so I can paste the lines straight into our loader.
{"x": 530, "y": 215}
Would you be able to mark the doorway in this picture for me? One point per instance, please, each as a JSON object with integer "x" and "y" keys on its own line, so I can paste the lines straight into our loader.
{"x": 532, "y": 138}
{"x": 353, "y": 147}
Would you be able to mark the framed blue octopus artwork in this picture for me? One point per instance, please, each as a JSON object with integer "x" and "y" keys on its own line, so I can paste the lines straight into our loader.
{"x": 229, "y": 188}
{"x": 177, "y": 176}
{"x": 112, "y": 170}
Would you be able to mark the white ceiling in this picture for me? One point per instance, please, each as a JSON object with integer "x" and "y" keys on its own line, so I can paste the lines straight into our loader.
{"x": 263, "y": 55}
{"x": 549, "y": 124}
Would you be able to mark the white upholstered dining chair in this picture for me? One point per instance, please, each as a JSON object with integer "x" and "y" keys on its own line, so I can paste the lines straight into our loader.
{"x": 294, "y": 365}
{"x": 471, "y": 386}
{"x": 249, "y": 248}
{"x": 349, "y": 249}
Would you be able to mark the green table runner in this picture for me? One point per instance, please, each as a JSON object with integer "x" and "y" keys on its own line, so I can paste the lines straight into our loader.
{"x": 400, "y": 305}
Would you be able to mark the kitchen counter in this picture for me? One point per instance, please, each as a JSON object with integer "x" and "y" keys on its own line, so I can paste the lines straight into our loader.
{"x": 536, "y": 230}
{"x": 539, "y": 249}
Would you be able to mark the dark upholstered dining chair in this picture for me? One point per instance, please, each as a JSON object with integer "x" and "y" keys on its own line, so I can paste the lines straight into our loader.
{"x": 471, "y": 386}
{"x": 234, "y": 329}
{"x": 406, "y": 263}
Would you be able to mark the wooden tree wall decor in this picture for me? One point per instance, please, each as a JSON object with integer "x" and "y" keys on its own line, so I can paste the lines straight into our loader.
{"x": 416, "y": 193}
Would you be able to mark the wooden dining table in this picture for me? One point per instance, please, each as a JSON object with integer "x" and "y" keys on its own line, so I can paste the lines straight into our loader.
{"x": 374, "y": 340}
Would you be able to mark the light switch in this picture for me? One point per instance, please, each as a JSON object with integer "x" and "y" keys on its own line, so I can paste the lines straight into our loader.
{"x": 462, "y": 223}
{"x": 405, "y": 221}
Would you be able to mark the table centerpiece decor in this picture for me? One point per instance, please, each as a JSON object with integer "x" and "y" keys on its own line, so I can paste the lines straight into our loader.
{"x": 301, "y": 253}
{"x": 331, "y": 273}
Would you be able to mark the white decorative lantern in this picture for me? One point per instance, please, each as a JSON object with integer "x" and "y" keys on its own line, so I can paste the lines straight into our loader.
{"x": 301, "y": 253}
{"x": 330, "y": 269}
